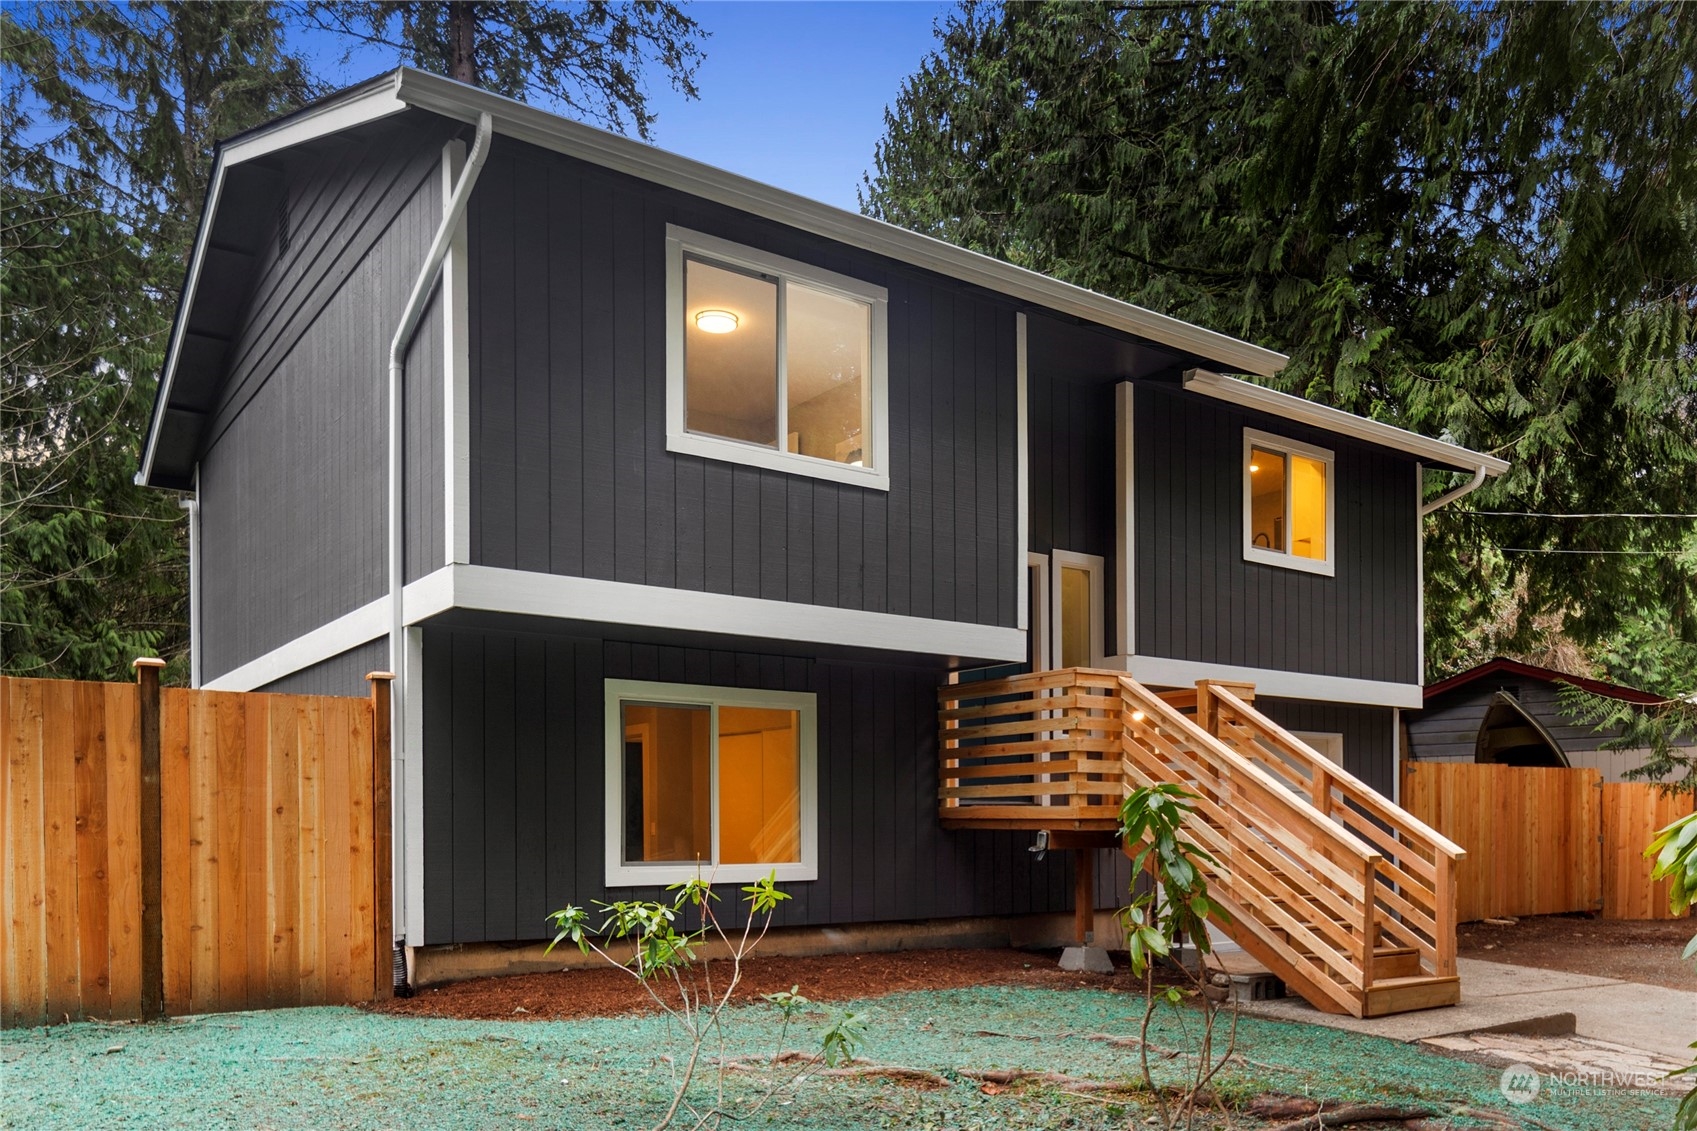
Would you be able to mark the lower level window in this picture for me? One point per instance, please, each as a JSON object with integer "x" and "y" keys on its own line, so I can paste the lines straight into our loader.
{"x": 713, "y": 780}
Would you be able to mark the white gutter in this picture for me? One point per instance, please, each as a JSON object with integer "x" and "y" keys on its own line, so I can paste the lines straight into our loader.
{"x": 1465, "y": 489}
{"x": 1303, "y": 411}
{"x": 410, "y": 318}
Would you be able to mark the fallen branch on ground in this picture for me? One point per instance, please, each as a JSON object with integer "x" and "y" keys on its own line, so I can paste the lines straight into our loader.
{"x": 1355, "y": 1113}
{"x": 858, "y": 1068}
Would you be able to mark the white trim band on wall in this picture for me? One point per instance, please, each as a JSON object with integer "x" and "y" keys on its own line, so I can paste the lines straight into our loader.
{"x": 1161, "y": 671}
{"x": 488, "y": 589}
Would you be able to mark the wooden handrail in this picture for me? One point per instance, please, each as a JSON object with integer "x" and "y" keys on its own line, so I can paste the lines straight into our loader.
{"x": 1300, "y": 809}
{"x": 1357, "y": 790}
{"x": 1414, "y": 882}
{"x": 1302, "y": 859}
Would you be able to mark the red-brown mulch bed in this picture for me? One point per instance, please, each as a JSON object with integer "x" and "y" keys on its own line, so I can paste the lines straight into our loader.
{"x": 1637, "y": 950}
{"x": 831, "y": 977}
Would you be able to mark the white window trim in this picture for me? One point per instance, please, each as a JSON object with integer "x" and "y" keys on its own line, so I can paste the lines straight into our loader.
{"x": 1253, "y": 553}
{"x": 680, "y": 241}
{"x": 1096, "y": 567}
{"x": 805, "y": 704}
{"x": 1037, "y": 597}
{"x": 1326, "y": 739}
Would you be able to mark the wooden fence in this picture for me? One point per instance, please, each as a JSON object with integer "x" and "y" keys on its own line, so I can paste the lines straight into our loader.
{"x": 1545, "y": 841}
{"x": 191, "y": 851}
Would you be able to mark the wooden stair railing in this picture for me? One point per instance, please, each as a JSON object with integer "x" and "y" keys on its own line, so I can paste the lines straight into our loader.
{"x": 1296, "y": 886}
{"x": 1415, "y": 888}
{"x": 1337, "y": 891}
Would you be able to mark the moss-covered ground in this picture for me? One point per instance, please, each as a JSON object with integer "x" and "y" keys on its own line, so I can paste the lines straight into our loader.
{"x": 344, "y": 1068}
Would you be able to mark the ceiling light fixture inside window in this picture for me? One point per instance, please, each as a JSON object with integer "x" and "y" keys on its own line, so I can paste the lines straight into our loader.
{"x": 716, "y": 321}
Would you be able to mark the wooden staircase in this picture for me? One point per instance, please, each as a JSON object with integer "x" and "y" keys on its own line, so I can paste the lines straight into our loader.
{"x": 1343, "y": 895}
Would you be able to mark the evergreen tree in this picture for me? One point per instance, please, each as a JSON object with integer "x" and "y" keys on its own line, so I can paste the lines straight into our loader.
{"x": 1474, "y": 221}
{"x": 587, "y": 59}
{"x": 107, "y": 125}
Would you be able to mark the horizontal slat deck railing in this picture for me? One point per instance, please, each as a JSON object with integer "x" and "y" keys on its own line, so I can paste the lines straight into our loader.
{"x": 1415, "y": 892}
{"x": 1323, "y": 878}
{"x": 1043, "y": 746}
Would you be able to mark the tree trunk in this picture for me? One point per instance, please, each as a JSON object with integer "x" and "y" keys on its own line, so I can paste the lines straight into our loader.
{"x": 462, "y": 38}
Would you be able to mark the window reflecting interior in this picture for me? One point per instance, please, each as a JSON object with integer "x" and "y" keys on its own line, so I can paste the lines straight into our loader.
{"x": 759, "y": 785}
{"x": 730, "y": 377}
{"x": 1307, "y": 507}
{"x": 827, "y": 346}
{"x": 1267, "y": 500}
{"x": 668, "y": 784}
{"x": 1075, "y": 618}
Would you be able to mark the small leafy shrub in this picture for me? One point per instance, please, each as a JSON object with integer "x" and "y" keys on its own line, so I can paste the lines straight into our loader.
{"x": 1157, "y": 921}
{"x": 667, "y": 958}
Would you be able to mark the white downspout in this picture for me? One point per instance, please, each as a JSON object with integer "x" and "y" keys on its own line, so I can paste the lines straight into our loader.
{"x": 1465, "y": 489}
{"x": 410, "y": 318}
{"x": 192, "y": 506}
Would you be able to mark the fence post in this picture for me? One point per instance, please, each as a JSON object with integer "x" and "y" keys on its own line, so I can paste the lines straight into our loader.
{"x": 383, "y": 832}
{"x": 152, "y": 843}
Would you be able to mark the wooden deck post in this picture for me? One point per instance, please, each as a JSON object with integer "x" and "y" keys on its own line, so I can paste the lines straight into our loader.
{"x": 1084, "y": 896}
{"x": 383, "y": 834}
{"x": 152, "y": 843}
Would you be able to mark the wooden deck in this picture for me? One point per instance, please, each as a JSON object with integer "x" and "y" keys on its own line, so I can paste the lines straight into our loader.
{"x": 1346, "y": 897}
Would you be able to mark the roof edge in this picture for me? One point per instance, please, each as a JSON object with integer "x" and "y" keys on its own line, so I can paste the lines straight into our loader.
{"x": 1275, "y": 403}
{"x": 368, "y": 101}
{"x": 550, "y": 131}
{"x": 1549, "y": 675}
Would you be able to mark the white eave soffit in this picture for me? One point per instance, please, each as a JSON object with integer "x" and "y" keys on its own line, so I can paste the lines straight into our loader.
{"x": 1289, "y": 407}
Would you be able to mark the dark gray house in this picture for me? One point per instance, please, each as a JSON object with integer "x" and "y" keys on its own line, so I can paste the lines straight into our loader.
{"x": 673, "y": 499}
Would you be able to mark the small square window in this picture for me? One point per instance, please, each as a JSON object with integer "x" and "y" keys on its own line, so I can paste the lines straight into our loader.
{"x": 774, "y": 363}
{"x": 1288, "y": 505}
{"x": 709, "y": 780}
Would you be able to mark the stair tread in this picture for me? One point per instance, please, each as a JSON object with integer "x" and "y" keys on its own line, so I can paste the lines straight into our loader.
{"x": 1413, "y": 980}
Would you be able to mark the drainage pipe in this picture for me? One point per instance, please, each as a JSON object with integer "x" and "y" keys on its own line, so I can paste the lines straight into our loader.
{"x": 410, "y": 318}
{"x": 1465, "y": 489}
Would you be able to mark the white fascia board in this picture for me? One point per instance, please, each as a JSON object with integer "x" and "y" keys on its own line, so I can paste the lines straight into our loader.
{"x": 1161, "y": 671}
{"x": 550, "y": 131}
{"x": 379, "y": 100}
{"x": 1331, "y": 419}
{"x": 489, "y": 589}
{"x": 356, "y": 108}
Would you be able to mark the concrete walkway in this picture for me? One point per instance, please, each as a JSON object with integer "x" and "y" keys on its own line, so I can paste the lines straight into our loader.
{"x": 1525, "y": 999}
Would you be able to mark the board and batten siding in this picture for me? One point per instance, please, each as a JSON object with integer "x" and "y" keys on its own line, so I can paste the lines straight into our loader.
{"x": 1198, "y": 599}
{"x": 514, "y": 779}
{"x": 293, "y": 471}
{"x": 339, "y": 675}
{"x": 1369, "y": 749}
{"x": 570, "y": 473}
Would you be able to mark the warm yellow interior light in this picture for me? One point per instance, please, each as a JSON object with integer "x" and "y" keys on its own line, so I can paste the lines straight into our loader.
{"x": 716, "y": 321}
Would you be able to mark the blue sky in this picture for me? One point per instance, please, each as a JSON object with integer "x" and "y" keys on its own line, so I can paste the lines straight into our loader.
{"x": 792, "y": 94}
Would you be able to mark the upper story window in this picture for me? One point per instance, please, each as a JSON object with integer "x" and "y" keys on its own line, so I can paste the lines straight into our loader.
{"x": 774, "y": 363}
{"x": 1288, "y": 506}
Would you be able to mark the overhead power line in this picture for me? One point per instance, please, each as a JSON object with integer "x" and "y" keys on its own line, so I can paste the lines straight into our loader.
{"x": 1543, "y": 514}
{"x": 1630, "y": 553}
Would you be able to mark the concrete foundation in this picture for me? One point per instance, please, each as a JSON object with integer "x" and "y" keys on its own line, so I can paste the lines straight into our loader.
{"x": 1088, "y": 959}
{"x": 438, "y": 965}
